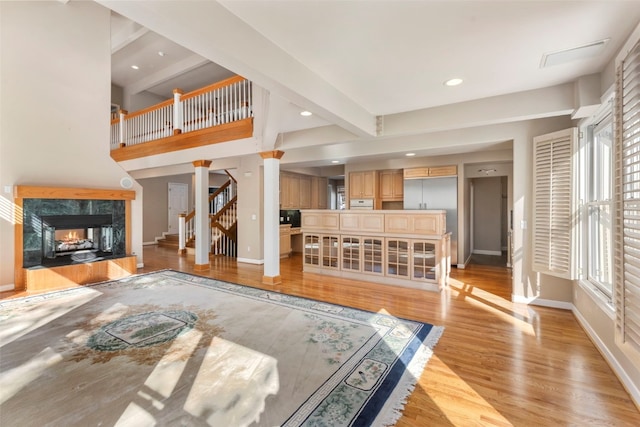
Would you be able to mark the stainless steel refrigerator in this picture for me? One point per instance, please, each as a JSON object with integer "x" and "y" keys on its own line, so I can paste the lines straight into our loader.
{"x": 436, "y": 193}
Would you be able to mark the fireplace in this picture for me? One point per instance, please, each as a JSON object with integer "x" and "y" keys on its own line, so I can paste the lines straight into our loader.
{"x": 66, "y": 237}
{"x": 60, "y": 232}
{"x": 81, "y": 238}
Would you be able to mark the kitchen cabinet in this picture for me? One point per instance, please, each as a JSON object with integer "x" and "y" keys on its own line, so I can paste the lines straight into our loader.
{"x": 430, "y": 172}
{"x": 321, "y": 250}
{"x": 391, "y": 185}
{"x": 394, "y": 247}
{"x": 319, "y": 188}
{"x": 289, "y": 191}
{"x": 433, "y": 225}
{"x": 304, "y": 191}
{"x": 363, "y": 185}
{"x": 372, "y": 255}
{"x": 285, "y": 240}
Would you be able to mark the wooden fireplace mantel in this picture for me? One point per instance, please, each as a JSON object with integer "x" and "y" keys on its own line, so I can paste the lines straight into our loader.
{"x": 77, "y": 274}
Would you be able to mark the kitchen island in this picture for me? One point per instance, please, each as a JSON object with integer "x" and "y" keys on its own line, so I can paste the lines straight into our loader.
{"x": 406, "y": 248}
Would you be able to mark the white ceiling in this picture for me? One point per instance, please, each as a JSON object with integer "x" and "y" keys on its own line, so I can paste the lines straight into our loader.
{"x": 385, "y": 57}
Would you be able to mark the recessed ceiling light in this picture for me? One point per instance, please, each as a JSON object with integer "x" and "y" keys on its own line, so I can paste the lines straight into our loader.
{"x": 410, "y": 154}
{"x": 335, "y": 161}
{"x": 161, "y": 53}
{"x": 306, "y": 113}
{"x": 453, "y": 82}
{"x": 135, "y": 67}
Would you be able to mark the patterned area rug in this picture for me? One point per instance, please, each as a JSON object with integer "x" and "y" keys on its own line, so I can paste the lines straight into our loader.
{"x": 169, "y": 348}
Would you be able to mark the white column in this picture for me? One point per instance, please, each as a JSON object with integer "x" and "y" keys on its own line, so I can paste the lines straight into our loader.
{"x": 271, "y": 193}
{"x": 122, "y": 136}
{"x": 178, "y": 117}
{"x": 202, "y": 228}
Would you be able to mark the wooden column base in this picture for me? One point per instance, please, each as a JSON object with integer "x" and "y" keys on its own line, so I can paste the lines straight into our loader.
{"x": 271, "y": 280}
{"x": 201, "y": 267}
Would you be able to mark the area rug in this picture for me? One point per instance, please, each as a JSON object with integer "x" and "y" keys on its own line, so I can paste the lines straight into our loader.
{"x": 169, "y": 348}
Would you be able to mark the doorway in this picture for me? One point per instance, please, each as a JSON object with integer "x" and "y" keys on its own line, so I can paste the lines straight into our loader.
{"x": 489, "y": 221}
{"x": 178, "y": 203}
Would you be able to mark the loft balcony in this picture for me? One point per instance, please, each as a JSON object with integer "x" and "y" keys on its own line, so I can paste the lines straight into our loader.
{"x": 216, "y": 113}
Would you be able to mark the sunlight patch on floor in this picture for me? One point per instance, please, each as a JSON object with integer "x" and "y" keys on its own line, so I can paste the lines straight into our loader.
{"x": 232, "y": 384}
{"x": 15, "y": 327}
{"x": 511, "y": 313}
{"x": 169, "y": 369}
{"x": 13, "y": 380}
{"x": 470, "y": 408}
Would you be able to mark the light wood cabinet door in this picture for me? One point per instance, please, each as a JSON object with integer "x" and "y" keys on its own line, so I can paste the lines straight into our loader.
{"x": 356, "y": 184}
{"x": 425, "y": 172}
{"x": 362, "y": 185}
{"x": 443, "y": 171}
{"x": 294, "y": 192}
{"x": 285, "y": 240}
{"x": 285, "y": 193}
{"x": 319, "y": 186}
{"x": 391, "y": 185}
{"x": 416, "y": 173}
{"x": 304, "y": 192}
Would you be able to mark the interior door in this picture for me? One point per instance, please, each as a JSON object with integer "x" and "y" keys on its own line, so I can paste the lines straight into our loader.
{"x": 178, "y": 203}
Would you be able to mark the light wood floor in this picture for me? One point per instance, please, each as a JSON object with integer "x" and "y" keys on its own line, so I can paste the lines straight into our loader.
{"x": 497, "y": 363}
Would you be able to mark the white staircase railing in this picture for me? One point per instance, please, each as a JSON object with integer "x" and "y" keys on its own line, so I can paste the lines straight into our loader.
{"x": 224, "y": 102}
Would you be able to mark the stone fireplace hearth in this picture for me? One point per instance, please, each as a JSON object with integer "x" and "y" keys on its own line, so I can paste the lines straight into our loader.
{"x": 72, "y": 236}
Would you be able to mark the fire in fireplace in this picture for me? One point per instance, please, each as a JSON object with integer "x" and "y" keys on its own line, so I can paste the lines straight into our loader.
{"x": 80, "y": 237}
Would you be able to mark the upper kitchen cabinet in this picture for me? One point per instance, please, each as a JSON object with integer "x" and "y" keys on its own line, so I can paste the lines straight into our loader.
{"x": 305, "y": 192}
{"x": 432, "y": 172}
{"x": 299, "y": 191}
{"x": 319, "y": 189}
{"x": 391, "y": 185}
{"x": 362, "y": 185}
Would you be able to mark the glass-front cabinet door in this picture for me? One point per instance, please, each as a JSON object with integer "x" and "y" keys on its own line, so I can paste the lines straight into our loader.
{"x": 423, "y": 260}
{"x": 372, "y": 252}
{"x": 351, "y": 254}
{"x": 311, "y": 249}
{"x": 397, "y": 263}
{"x": 330, "y": 251}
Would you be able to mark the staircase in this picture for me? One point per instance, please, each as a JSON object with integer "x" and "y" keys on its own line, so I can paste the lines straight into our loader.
{"x": 171, "y": 241}
{"x": 223, "y": 216}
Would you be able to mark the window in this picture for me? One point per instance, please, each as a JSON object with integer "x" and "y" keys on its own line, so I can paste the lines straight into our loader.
{"x": 597, "y": 214}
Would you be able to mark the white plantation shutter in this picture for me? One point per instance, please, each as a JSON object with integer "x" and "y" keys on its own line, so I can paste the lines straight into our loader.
{"x": 627, "y": 137}
{"x": 554, "y": 210}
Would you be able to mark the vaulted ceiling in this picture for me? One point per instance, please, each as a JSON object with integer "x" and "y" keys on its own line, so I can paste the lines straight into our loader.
{"x": 351, "y": 61}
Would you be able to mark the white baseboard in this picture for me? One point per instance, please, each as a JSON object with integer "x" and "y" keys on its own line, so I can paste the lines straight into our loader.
{"x": 484, "y": 252}
{"x": 622, "y": 375}
{"x": 250, "y": 261}
{"x": 519, "y": 299}
{"x": 9, "y": 287}
{"x": 466, "y": 262}
{"x": 155, "y": 242}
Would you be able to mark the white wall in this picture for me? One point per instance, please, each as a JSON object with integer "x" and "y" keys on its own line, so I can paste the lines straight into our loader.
{"x": 55, "y": 96}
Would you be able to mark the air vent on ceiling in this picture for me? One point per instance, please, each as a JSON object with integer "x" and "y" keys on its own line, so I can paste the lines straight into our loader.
{"x": 573, "y": 54}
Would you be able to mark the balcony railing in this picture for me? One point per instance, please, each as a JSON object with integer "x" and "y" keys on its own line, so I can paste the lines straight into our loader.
{"x": 216, "y": 105}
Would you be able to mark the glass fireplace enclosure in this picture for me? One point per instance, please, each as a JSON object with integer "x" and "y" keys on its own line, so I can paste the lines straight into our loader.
{"x": 66, "y": 231}
{"x": 89, "y": 235}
